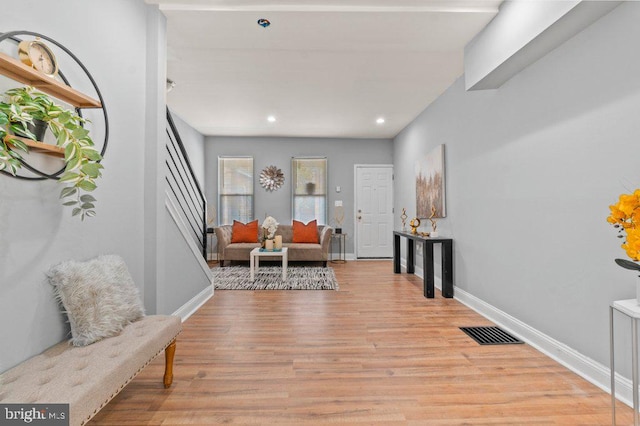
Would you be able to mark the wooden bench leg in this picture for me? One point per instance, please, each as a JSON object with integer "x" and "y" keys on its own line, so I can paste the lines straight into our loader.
{"x": 169, "y": 352}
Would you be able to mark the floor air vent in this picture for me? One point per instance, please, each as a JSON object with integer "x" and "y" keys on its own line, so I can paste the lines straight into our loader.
{"x": 490, "y": 336}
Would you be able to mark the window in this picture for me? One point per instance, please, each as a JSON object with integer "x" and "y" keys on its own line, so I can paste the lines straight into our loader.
{"x": 235, "y": 189}
{"x": 309, "y": 182}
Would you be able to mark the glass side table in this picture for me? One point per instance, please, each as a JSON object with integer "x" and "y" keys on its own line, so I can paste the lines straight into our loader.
{"x": 631, "y": 309}
{"x": 342, "y": 256}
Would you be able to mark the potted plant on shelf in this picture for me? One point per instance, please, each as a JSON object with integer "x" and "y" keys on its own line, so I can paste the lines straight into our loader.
{"x": 21, "y": 111}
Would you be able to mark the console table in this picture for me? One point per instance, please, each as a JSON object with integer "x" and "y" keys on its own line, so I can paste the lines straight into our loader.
{"x": 427, "y": 260}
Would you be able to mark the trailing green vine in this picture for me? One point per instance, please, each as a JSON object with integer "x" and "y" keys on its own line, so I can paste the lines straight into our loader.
{"x": 24, "y": 106}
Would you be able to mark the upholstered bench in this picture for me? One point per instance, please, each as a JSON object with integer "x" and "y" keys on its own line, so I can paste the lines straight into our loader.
{"x": 88, "y": 377}
{"x": 111, "y": 341}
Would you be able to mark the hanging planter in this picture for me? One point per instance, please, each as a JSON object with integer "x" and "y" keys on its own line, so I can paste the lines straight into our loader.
{"x": 22, "y": 110}
{"x": 38, "y": 128}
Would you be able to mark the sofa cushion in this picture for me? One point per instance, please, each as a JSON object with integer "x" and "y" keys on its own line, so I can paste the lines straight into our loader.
{"x": 304, "y": 252}
{"x": 305, "y": 233}
{"x": 286, "y": 231}
{"x": 98, "y": 295}
{"x": 239, "y": 251}
{"x": 244, "y": 233}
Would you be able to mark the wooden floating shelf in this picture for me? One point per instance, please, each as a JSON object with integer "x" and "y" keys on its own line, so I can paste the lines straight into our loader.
{"x": 36, "y": 146}
{"x": 18, "y": 71}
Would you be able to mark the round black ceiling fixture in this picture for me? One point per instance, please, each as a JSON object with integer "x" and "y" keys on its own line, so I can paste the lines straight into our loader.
{"x": 264, "y": 23}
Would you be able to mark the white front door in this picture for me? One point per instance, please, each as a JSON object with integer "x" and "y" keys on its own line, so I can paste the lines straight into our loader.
{"x": 374, "y": 211}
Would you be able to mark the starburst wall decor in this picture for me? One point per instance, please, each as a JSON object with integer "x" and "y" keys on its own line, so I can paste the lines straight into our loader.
{"x": 271, "y": 178}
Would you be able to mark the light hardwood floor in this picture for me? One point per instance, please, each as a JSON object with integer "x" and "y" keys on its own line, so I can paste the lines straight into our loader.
{"x": 375, "y": 352}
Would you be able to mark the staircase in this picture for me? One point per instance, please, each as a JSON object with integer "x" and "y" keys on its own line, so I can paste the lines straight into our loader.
{"x": 184, "y": 189}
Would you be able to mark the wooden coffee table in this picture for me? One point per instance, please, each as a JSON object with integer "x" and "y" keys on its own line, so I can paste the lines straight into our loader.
{"x": 256, "y": 254}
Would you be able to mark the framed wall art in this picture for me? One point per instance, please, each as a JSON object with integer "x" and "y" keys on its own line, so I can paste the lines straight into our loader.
{"x": 430, "y": 184}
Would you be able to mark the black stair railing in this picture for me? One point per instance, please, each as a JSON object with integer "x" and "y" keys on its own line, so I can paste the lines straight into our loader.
{"x": 183, "y": 184}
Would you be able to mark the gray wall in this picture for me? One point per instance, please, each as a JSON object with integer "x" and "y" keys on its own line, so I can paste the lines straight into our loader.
{"x": 183, "y": 276}
{"x": 37, "y": 231}
{"x": 121, "y": 42}
{"x": 531, "y": 169}
{"x": 342, "y": 155}
{"x": 193, "y": 142}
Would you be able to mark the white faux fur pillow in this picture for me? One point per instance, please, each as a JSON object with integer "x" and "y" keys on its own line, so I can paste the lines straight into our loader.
{"x": 98, "y": 295}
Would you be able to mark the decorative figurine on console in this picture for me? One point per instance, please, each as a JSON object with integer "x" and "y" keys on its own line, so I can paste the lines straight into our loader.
{"x": 403, "y": 218}
{"x": 414, "y": 224}
{"x": 433, "y": 233}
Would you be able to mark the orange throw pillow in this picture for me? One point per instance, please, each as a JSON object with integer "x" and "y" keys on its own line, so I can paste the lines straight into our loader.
{"x": 241, "y": 233}
{"x": 305, "y": 233}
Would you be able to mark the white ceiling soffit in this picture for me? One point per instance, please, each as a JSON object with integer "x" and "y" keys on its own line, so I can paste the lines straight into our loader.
{"x": 323, "y": 69}
{"x": 524, "y": 32}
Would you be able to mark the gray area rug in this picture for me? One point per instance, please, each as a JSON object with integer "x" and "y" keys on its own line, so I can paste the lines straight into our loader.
{"x": 270, "y": 278}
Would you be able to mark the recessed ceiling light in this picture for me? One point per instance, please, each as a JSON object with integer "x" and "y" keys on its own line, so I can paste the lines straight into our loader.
{"x": 380, "y": 120}
{"x": 271, "y": 119}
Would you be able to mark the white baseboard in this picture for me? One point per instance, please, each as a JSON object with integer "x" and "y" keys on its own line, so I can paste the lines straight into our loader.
{"x": 189, "y": 308}
{"x": 590, "y": 370}
{"x": 346, "y": 256}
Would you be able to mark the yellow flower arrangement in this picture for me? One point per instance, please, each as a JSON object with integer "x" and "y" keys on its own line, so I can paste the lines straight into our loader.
{"x": 625, "y": 215}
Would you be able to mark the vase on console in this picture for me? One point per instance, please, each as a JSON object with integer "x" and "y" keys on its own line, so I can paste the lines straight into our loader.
{"x": 625, "y": 217}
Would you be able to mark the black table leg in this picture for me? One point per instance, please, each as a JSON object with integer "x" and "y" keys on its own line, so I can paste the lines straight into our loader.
{"x": 411, "y": 256}
{"x": 447, "y": 269}
{"x": 428, "y": 266}
{"x": 396, "y": 254}
{"x": 427, "y": 270}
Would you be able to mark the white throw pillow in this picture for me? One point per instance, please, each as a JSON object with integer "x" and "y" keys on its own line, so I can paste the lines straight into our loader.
{"x": 98, "y": 295}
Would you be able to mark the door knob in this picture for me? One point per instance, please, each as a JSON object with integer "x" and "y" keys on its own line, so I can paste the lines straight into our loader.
{"x": 359, "y": 217}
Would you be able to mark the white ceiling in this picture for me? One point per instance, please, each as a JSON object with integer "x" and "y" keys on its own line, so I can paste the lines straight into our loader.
{"x": 323, "y": 68}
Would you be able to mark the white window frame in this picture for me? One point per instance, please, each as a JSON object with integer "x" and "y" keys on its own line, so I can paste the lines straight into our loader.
{"x": 294, "y": 185}
{"x": 221, "y": 160}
